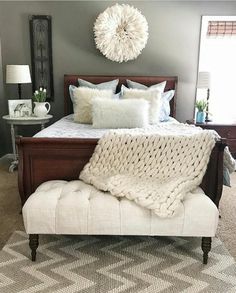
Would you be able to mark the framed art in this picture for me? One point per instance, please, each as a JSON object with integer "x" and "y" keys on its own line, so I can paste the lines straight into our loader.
{"x": 20, "y": 108}
{"x": 41, "y": 53}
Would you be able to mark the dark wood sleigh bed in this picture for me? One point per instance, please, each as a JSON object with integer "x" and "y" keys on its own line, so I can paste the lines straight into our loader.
{"x": 43, "y": 159}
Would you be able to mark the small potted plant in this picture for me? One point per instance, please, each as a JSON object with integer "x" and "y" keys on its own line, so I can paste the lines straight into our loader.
{"x": 201, "y": 113}
{"x": 39, "y": 98}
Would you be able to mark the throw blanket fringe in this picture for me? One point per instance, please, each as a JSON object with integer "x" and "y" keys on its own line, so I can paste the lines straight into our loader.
{"x": 155, "y": 167}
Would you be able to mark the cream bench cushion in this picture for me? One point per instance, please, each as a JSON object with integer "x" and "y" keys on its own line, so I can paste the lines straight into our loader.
{"x": 61, "y": 207}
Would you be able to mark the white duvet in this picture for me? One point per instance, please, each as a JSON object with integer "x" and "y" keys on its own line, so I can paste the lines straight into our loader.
{"x": 66, "y": 127}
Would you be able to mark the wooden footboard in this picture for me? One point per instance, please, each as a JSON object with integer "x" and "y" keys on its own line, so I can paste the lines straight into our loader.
{"x": 43, "y": 159}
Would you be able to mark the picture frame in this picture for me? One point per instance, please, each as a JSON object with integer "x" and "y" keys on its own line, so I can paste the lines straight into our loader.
{"x": 41, "y": 53}
{"x": 20, "y": 108}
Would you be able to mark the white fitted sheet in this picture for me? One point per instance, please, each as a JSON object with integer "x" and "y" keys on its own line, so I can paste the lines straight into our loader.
{"x": 66, "y": 127}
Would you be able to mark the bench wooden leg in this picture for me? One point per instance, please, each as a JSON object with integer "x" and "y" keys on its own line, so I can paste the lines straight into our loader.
{"x": 33, "y": 244}
{"x": 206, "y": 247}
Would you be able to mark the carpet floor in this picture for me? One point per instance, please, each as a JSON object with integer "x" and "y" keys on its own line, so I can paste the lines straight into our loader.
{"x": 110, "y": 264}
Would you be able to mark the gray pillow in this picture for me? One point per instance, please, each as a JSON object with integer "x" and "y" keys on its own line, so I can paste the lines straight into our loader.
{"x": 165, "y": 105}
{"x": 136, "y": 85}
{"x": 108, "y": 85}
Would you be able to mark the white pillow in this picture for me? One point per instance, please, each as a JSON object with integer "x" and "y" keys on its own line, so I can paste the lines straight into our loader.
{"x": 111, "y": 113}
{"x": 83, "y": 102}
{"x": 153, "y": 96}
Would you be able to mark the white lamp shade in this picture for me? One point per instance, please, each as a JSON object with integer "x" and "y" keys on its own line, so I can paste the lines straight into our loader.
{"x": 18, "y": 74}
{"x": 204, "y": 80}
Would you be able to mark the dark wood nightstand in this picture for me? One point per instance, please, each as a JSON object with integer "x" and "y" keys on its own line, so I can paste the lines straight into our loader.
{"x": 225, "y": 130}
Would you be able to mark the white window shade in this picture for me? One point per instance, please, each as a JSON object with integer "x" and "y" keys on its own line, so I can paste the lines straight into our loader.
{"x": 221, "y": 28}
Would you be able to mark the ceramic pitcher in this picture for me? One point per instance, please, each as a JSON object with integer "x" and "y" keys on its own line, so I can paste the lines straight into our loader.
{"x": 40, "y": 109}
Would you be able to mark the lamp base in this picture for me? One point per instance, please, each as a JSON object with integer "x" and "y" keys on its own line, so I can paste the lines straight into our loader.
{"x": 19, "y": 90}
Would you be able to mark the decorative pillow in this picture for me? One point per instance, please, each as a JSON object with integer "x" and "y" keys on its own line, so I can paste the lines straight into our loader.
{"x": 120, "y": 113}
{"x": 72, "y": 88}
{"x": 108, "y": 85}
{"x": 165, "y": 105}
{"x": 166, "y": 96}
{"x": 83, "y": 102}
{"x": 136, "y": 85}
{"x": 153, "y": 96}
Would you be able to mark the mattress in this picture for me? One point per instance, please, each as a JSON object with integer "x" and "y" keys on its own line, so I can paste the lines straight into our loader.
{"x": 67, "y": 128}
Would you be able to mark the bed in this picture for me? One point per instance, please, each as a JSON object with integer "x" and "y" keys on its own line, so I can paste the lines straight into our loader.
{"x": 48, "y": 158}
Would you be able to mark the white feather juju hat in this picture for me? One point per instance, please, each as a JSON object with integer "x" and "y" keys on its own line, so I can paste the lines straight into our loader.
{"x": 121, "y": 32}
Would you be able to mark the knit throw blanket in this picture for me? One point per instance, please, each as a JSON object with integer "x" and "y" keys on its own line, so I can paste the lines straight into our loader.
{"x": 156, "y": 167}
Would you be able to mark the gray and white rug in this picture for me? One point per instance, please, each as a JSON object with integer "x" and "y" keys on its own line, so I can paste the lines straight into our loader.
{"x": 102, "y": 264}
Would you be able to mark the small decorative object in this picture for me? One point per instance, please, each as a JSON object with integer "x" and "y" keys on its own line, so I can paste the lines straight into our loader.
{"x": 121, "y": 32}
{"x": 41, "y": 53}
{"x": 18, "y": 74}
{"x": 20, "y": 108}
{"x": 40, "y": 95}
{"x": 204, "y": 82}
{"x": 39, "y": 98}
{"x": 201, "y": 106}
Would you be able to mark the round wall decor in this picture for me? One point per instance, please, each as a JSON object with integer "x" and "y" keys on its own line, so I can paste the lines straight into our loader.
{"x": 121, "y": 32}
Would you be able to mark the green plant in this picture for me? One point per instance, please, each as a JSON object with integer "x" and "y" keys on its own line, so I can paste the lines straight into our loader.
{"x": 201, "y": 105}
{"x": 40, "y": 95}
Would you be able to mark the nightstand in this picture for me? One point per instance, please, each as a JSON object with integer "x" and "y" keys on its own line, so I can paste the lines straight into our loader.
{"x": 32, "y": 120}
{"x": 224, "y": 129}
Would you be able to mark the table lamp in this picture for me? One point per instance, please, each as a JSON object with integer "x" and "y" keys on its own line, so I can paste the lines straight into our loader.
{"x": 204, "y": 82}
{"x": 18, "y": 74}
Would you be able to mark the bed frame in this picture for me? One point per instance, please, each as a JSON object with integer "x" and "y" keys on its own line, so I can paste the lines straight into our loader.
{"x": 43, "y": 159}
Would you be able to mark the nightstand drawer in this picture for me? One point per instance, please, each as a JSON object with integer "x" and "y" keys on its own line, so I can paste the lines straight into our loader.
{"x": 232, "y": 146}
{"x": 225, "y": 131}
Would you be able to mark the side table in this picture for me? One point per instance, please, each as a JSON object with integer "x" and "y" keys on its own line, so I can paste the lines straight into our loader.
{"x": 14, "y": 122}
{"x": 226, "y": 130}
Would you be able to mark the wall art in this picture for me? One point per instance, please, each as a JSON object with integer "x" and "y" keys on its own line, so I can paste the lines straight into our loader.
{"x": 20, "y": 108}
{"x": 41, "y": 53}
{"x": 121, "y": 32}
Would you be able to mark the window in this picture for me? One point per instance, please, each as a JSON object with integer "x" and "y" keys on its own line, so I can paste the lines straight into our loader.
{"x": 218, "y": 57}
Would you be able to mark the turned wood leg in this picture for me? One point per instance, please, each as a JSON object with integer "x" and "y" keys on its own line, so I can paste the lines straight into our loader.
{"x": 33, "y": 244}
{"x": 206, "y": 247}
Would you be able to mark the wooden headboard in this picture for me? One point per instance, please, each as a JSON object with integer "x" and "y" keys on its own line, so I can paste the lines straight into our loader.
{"x": 147, "y": 80}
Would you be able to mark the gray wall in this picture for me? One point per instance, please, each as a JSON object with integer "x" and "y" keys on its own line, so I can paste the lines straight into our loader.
{"x": 172, "y": 48}
{"x": 3, "y": 103}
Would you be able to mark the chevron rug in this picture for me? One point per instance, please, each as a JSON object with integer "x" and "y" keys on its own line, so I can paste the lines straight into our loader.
{"x": 103, "y": 264}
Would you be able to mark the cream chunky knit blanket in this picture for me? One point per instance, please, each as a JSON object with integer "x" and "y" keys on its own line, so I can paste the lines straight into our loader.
{"x": 156, "y": 167}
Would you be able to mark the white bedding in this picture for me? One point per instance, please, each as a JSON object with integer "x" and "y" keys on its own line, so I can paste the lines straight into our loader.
{"x": 66, "y": 127}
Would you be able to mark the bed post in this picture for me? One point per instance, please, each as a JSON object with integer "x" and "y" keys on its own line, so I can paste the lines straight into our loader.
{"x": 212, "y": 183}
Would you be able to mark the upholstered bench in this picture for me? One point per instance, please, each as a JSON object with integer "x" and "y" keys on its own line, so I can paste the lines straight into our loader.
{"x": 61, "y": 207}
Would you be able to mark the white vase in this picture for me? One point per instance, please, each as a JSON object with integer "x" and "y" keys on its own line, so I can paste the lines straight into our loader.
{"x": 40, "y": 109}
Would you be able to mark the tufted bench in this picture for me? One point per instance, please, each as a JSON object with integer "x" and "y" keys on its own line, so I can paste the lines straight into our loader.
{"x": 61, "y": 207}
